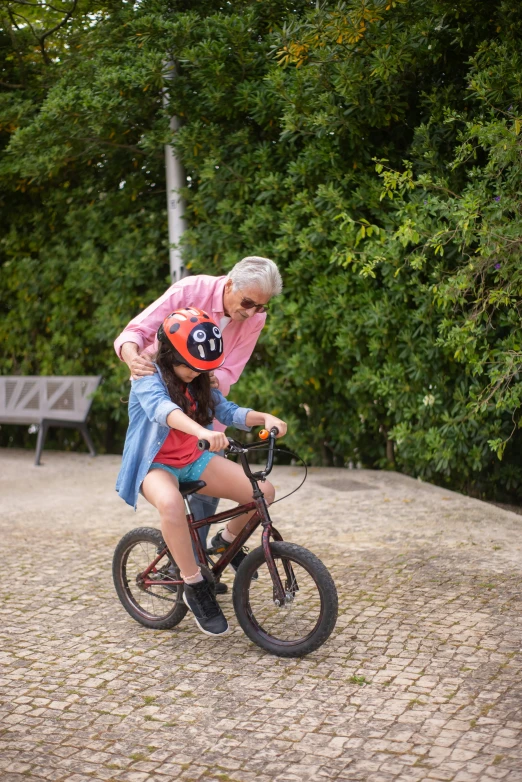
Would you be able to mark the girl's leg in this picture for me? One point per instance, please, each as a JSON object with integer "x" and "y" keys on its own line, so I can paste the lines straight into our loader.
{"x": 160, "y": 488}
{"x": 227, "y": 480}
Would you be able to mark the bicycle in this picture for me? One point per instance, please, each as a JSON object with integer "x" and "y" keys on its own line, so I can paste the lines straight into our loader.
{"x": 284, "y": 598}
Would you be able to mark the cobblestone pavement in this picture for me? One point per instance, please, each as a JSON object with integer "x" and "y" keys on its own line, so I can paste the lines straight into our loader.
{"x": 420, "y": 681}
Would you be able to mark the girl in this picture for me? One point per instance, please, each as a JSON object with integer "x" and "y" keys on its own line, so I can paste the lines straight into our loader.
{"x": 168, "y": 413}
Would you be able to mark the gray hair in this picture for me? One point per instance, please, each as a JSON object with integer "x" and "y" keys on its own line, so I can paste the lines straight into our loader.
{"x": 256, "y": 272}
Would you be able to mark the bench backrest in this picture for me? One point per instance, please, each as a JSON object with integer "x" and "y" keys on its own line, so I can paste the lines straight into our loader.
{"x": 29, "y": 399}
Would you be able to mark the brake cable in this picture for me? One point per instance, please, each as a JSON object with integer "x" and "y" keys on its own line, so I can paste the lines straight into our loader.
{"x": 263, "y": 446}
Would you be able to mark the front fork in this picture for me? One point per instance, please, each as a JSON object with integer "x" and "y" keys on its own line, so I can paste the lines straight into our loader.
{"x": 280, "y": 594}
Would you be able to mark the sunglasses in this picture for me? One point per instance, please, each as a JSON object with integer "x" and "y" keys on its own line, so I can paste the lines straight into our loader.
{"x": 248, "y": 304}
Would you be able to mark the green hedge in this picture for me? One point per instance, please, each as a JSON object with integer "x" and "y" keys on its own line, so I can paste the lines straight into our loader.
{"x": 372, "y": 149}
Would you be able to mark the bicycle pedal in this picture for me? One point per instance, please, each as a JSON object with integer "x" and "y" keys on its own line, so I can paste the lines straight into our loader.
{"x": 213, "y": 550}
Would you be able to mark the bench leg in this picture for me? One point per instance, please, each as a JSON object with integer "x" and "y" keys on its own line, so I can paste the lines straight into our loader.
{"x": 42, "y": 434}
{"x": 87, "y": 437}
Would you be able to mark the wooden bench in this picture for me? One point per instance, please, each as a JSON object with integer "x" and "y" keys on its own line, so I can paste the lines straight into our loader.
{"x": 48, "y": 401}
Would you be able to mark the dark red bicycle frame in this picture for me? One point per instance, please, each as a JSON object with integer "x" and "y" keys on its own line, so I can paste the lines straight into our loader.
{"x": 261, "y": 516}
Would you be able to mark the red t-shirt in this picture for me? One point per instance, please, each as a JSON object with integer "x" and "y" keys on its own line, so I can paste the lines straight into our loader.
{"x": 179, "y": 448}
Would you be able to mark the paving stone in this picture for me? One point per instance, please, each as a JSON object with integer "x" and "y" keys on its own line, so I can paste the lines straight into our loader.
{"x": 429, "y": 615}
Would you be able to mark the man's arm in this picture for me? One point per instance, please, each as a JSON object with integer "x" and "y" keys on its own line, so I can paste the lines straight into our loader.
{"x": 236, "y": 360}
{"x": 139, "y": 366}
{"x": 141, "y": 331}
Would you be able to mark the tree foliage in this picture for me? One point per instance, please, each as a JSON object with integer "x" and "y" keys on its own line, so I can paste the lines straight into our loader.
{"x": 373, "y": 149}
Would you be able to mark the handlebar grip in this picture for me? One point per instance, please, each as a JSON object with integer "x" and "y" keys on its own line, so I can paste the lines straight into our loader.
{"x": 264, "y": 434}
{"x": 203, "y": 445}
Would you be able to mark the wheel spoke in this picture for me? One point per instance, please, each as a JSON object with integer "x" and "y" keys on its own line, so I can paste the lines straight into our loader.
{"x": 298, "y": 617}
{"x": 155, "y": 604}
{"x": 308, "y": 614}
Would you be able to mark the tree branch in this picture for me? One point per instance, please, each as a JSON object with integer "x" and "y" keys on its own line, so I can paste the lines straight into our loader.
{"x": 130, "y": 147}
{"x": 54, "y": 29}
{"x": 11, "y": 86}
{"x": 20, "y": 59}
{"x": 26, "y": 21}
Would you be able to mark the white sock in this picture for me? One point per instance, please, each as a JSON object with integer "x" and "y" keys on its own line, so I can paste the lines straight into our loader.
{"x": 228, "y": 536}
{"x": 194, "y": 579}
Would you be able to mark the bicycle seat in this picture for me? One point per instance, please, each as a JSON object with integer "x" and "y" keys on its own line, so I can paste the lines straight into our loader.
{"x": 190, "y": 487}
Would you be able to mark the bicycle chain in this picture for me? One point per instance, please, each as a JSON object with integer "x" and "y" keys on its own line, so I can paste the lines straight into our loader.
{"x": 160, "y": 597}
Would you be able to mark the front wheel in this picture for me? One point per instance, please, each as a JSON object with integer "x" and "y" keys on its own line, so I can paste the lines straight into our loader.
{"x": 309, "y": 613}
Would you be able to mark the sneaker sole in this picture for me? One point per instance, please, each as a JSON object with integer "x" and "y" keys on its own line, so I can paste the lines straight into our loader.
{"x": 213, "y": 635}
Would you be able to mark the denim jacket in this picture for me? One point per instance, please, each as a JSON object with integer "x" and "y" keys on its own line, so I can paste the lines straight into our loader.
{"x": 149, "y": 407}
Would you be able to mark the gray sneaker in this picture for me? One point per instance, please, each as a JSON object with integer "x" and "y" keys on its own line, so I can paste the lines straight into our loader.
{"x": 219, "y": 545}
{"x": 201, "y": 600}
{"x": 170, "y": 571}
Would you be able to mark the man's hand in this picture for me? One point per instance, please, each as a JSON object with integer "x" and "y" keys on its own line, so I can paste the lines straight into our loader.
{"x": 214, "y": 382}
{"x": 141, "y": 367}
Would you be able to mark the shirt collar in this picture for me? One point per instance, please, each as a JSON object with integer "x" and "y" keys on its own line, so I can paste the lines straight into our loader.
{"x": 217, "y": 297}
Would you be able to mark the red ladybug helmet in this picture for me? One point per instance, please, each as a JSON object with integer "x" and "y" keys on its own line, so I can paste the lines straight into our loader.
{"x": 194, "y": 339}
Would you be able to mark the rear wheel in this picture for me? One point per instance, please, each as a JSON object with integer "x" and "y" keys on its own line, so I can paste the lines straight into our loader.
{"x": 309, "y": 613}
{"x": 158, "y": 607}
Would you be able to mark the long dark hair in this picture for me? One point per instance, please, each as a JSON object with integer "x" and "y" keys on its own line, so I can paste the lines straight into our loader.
{"x": 200, "y": 389}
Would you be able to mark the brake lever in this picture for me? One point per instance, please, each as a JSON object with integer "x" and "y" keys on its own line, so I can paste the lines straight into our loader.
{"x": 235, "y": 447}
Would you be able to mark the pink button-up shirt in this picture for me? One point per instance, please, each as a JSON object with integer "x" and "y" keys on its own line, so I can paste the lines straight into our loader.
{"x": 205, "y": 293}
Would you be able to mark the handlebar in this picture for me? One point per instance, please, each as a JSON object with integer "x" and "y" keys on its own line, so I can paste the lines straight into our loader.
{"x": 274, "y": 431}
{"x": 234, "y": 446}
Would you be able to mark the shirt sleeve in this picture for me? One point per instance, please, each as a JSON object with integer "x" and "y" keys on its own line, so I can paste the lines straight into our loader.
{"x": 236, "y": 360}
{"x": 154, "y": 399}
{"x": 230, "y": 414}
{"x": 143, "y": 328}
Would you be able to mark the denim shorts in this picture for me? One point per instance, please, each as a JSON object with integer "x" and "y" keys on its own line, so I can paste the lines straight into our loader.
{"x": 190, "y": 472}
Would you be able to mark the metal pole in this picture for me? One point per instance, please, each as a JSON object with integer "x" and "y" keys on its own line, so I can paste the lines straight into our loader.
{"x": 175, "y": 177}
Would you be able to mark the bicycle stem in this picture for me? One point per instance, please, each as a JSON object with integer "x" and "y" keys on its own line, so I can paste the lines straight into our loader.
{"x": 241, "y": 451}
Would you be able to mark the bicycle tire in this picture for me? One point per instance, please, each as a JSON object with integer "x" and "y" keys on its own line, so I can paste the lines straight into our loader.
{"x": 129, "y": 591}
{"x": 318, "y": 596}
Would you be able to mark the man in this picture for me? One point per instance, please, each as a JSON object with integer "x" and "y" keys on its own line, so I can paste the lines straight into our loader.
{"x": 236, "y": 302}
